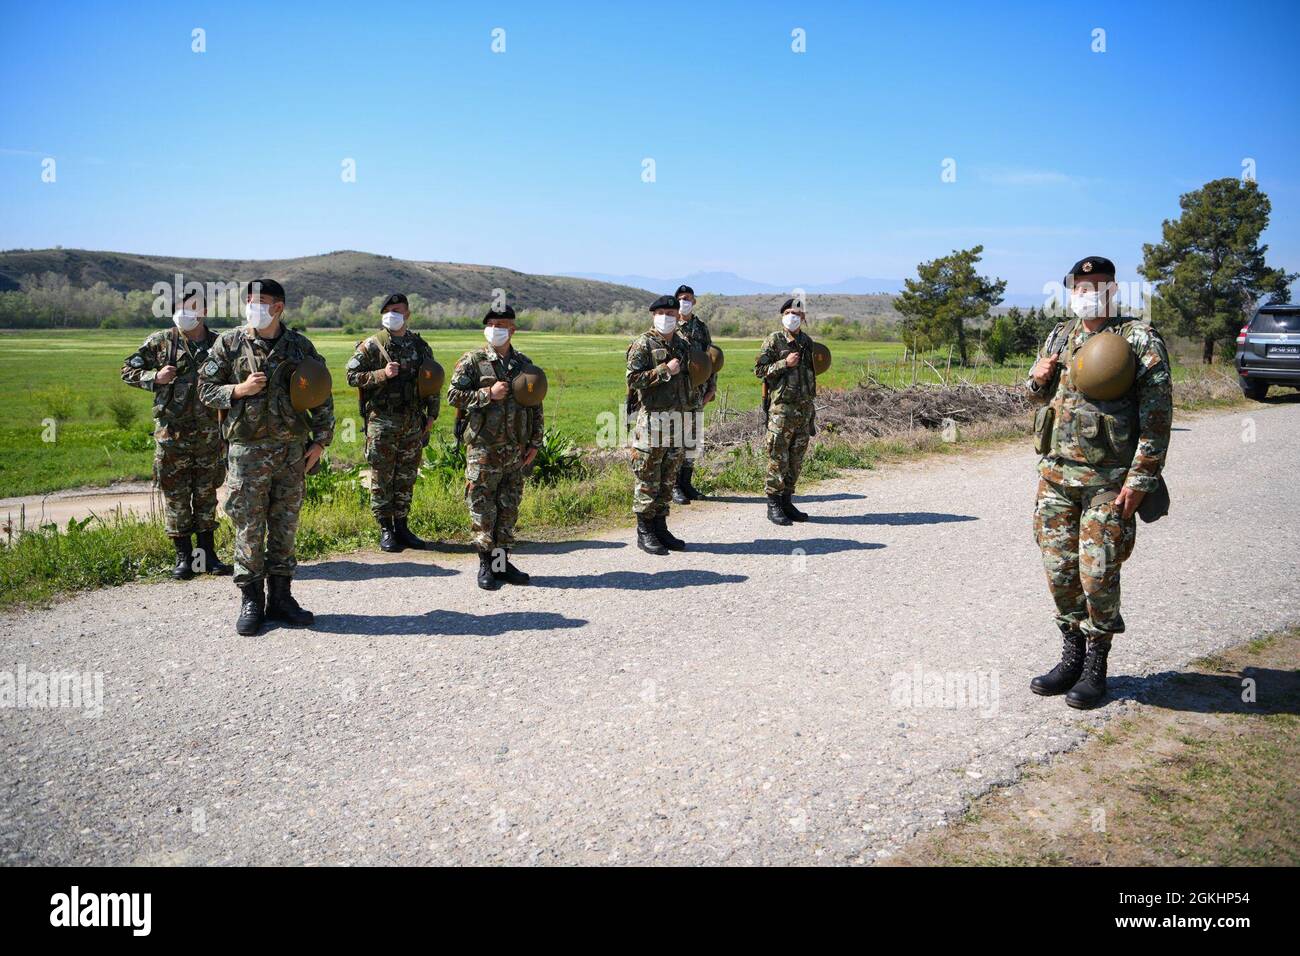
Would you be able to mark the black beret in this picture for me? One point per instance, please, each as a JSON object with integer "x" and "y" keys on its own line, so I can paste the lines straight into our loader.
{"x": 495, "y": 313}
{"x": 684, "y": 289}
{"x": 1090, "y": 266}
{"x": 665, "y": 302}
{"x": 791, "y": 304}
{"x": 266, "y": 287}
{"x": 395, "y": 299}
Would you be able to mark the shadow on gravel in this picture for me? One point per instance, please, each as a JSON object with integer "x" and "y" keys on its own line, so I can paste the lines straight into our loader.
{"x": 738, "y": 499}
{"x": 762, "y": 499}
{"x": 637, "y": 580}
{"x": 567, "y": 547}
{"x": 785, "y": 546}
{"x": 1274, "y": 691}
{"x": 367, "y": 571}
{"x": 894, "y": 518}
{"x": 445, "y": 623}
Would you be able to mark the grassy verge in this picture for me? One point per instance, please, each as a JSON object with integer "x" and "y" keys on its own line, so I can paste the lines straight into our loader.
{"x": 115, "y": 550}
{"x": 1203, "y": 774}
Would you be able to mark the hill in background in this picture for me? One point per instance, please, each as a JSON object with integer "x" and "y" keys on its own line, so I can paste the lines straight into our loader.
{"x": 332, "y": 277}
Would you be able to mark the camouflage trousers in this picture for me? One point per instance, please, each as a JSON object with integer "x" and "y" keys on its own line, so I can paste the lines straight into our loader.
{"x": 264, "y": 500}
{"x": 694, "y": 434}
{"x": 1083, "y": 546}
{"x": 394, "y": 448}
{"x": 789, "y": 427}
{"x": 189, "y": 470}
{"x": 493, "y": 493}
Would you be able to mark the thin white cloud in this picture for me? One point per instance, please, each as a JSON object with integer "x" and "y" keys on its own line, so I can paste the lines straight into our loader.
{"x": 1012, "y": 176}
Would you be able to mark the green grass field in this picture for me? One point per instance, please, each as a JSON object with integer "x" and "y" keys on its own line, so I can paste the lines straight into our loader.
{"x": 40, "y": 370}
{"x": 80, "y": 368}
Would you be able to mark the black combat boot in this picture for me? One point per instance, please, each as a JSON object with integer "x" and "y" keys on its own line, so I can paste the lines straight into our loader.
{"x": 666, "y": 537}
{"x": 790, "y": 511}
{"x": 280, "y": 605}
{"x": 388, "y": 540}
{"x": 511, "y": 574}
{"x": 1091, "y": 687}
{"x": 1065, "y": 674}
{"x": 252, "y": 608}
{"x": 646, "y": 538}
{"x": 408, "y": 537}
{"x": 775, "y": 513}
{"x": 211, "y": 563}
{"x": 182, "y": 571}
{"x": 486, "y": 579}
{"x": 680, "y": 497}
{"x": 688, "y": 483}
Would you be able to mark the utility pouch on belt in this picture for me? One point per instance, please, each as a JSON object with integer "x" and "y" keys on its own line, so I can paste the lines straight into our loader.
{"x": 1044, "y": 419}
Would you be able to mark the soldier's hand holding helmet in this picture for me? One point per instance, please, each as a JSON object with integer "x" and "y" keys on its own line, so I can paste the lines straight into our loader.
{"x": 792, "y": 359}
{"x": 674, "y": 366}
{"x": 165, "y": 375}
{"x": 392, "y": 370}
{"x": 498, "y": 390}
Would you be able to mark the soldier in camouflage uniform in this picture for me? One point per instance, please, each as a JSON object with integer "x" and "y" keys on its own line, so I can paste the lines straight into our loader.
{"x": 501, "y": 440}
{"x": 785, "y": 366}
{"x": 697, "y": 335}
{"x": 385, "y": 368}
{"x": 659, "y": 387}
{"x": 1099, "y": 460}
{"x": 271, "y": 446}
{"x": 190, "y": 459}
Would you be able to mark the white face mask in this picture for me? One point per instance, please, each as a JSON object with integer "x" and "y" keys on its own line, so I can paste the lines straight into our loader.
{"x": 496, "y": 336}
{"x": 393, "y": 321}
{"x": 187, "y": 320}
{"x": 259, "y": 315}
{"x": 665, "y": 324}
{"x": 791, "y": 322}
{"x": 685, "y": 307}
{"x": 1087, "y": 305}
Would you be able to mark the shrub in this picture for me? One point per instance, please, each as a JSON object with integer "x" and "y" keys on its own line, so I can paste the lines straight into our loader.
{"x": 57, "y": 402}
{"x": 124, "y": 409}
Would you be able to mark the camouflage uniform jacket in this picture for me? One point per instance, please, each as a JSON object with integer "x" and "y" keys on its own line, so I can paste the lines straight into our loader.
{"x": 396, "y": 398}
{"x": 495, "y": 432}
{"x": 176, "y": 406}
{"x": 1087, "y": 443}
{"x": 267, "y": 417}
{"x": 697, "y": 334}
{"x": 786, "y": 385}
{"x": 647, "y": 372}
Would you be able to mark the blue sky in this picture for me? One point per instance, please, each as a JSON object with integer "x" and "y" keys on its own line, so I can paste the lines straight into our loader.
{"x": 782, "y": 167}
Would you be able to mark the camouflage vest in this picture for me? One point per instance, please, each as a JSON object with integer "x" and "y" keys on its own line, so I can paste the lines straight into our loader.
{"x": 178, "y": 401}
{"x": 270, "y": 413}
{"x": 674, "y": 394}
{"x": 400, "y": 394}
{"x": 504, "y": 423}
{"x": 1075, "y": 428}
{"x": 798, "y": 383}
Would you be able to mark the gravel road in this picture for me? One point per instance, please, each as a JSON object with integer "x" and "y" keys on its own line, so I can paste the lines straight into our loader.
{"x": 739, "y": 703}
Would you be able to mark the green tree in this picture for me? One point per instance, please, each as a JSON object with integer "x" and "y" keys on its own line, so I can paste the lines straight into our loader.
{"x": 1209, "y": 269}
{"x": 946, "y": 294}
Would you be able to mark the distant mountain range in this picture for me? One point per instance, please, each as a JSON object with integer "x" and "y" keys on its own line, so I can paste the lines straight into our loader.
{"x": 728, "y": 283}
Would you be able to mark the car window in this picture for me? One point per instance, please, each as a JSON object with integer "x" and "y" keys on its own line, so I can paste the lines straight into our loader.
{"x": 1277, "y": 322}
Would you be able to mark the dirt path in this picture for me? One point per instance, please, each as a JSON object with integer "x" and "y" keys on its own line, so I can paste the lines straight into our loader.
{"x": 59, "y": 506}
{"x": 742, "y": 702}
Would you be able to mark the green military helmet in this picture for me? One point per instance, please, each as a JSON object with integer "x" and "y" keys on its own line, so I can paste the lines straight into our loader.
{"x": 821, "y": 358}
{"x": 1104, "y": 368}
{"x": 529, "y": 386}
{"x": 309, "y": 385}
{"x": 716, "y": 356}
{"x": 699, "y": 366}
{"x": 431, "y": 377}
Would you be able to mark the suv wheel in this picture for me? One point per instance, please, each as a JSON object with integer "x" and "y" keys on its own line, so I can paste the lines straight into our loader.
{"x": 1255, "y": 391}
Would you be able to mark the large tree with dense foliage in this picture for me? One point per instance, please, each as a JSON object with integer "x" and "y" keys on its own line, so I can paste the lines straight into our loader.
{"x": 946, "y": 294}
{"x": 1209, "y": 270}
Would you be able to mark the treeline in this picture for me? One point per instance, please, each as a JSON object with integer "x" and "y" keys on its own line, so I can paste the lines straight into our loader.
{"x": 51, "y": 301}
